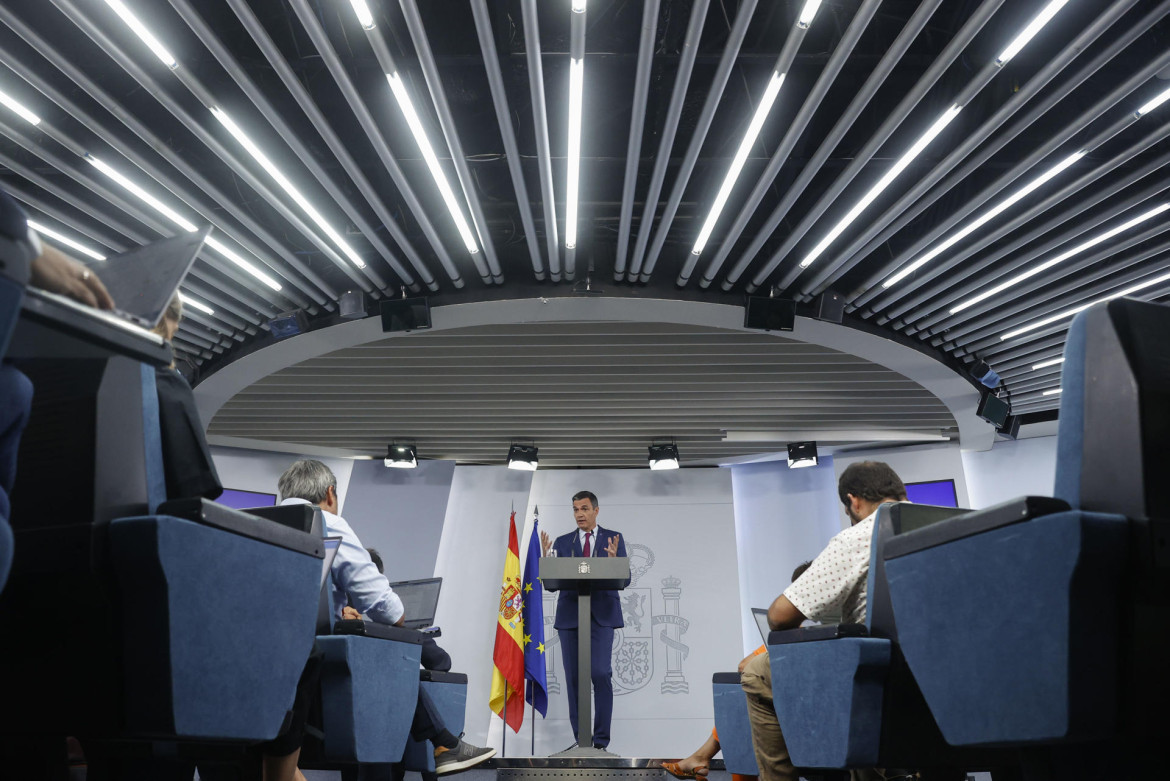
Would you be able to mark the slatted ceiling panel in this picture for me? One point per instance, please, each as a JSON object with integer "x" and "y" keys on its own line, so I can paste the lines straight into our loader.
{"x": 594, "y": 394}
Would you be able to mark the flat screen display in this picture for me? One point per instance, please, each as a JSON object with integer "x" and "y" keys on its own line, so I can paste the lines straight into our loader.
{"x": 937, "y": 492}
{"x": 243, "y": 500}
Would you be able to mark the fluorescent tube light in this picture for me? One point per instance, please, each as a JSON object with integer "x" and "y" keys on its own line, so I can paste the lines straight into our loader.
{"x": 1033, "y": 27}
{"x": 1046, "y": 364}
{"x": 420, "y": 137}
{"x": 1052, "y": 392}
{"x": 63, "y": 239}
{"x": 191, "y": 302}
{"x": 1061, "y": 258}
{"x": 576, "y": 90}
{"x": 740, "y": 158}
{"x": 1070, "y": 312}
{"x": 235, "y": 257}
{"x": 982, "y": 220}
{"x": 1153, "y": 104}
{"x": 140, "y": 30}
{"x": 807, "y": 13}
{"x": 142, "y": 195}
{"x": 287, "y": 186}
{"x": 895, "y": 170}
{"x": 578, "y": 6}
{"x": 364, "y": 17}
{"x": 19, "y": 109}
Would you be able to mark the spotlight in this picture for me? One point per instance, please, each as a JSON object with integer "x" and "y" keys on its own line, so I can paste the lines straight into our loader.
{"x": 985, "y": 374}
{"x": 802, "y": 454}
{"x": 523, "y": 457}
{"x": 664, "y": 456}
{"x": 993, "y": 409}
{"x": 288, "y": 324}
{"x": 401, "y": 457}
{"x": 352, "y": 305}
{"x": 405, "y": 314}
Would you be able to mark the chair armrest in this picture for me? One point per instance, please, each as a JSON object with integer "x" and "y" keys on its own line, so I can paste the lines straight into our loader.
{"x": 294, "y": 516}
{"x": 229, "y": 519}
{"x": 725, "y": 678}
{"x": 381, "y": 631}
{"x": 969, "y": 524}
{"x": 436, "y": 676}
{"x": 809, "y": 634}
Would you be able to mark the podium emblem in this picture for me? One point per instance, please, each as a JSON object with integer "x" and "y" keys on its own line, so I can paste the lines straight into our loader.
{"x": 583, "y": 568}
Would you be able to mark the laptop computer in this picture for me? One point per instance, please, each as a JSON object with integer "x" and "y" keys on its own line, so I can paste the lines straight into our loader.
{"x": 143, "y": 280}
{"x": 325, "y": 602}
{"x": 421, "y": 600}
{"x": 761, "y": 616}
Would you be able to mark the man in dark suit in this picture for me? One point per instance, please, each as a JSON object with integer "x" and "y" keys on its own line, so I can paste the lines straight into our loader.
{"x": 589, "y": 539}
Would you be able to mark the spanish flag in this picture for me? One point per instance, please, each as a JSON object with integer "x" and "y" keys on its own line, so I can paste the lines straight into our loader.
{"x": 508, "y": 673}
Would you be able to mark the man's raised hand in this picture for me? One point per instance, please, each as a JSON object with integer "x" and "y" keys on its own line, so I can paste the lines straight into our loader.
{"x": 545, "y": 543}
{"x": 611, "y": 548}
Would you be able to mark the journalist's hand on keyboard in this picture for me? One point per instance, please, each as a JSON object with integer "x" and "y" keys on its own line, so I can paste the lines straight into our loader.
{"x": 58, "y": 273}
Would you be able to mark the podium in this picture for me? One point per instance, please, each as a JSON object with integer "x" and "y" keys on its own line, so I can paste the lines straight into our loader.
{"x": 584, "y": 575}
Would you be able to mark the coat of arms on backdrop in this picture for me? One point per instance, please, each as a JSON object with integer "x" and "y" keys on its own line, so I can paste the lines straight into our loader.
{"x": 634, "y": 645}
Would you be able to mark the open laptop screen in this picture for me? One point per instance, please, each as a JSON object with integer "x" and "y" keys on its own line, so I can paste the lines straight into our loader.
{"x": 420, "y": 598}
{"x": 761, "y": 616}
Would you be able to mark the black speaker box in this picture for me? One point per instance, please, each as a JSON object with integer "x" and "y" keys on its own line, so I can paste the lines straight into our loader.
{"x": 406, "y": 314}
{"x": 352, "y": 304}
{"x": 830, "y": 306}
{"x": 769, "y": 314}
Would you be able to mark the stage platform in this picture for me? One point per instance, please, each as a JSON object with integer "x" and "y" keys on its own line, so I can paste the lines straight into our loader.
{"x": 556, "y": 768}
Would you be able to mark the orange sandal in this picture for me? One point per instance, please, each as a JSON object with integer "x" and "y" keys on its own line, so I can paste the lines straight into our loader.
{"x": 677, "y": 771}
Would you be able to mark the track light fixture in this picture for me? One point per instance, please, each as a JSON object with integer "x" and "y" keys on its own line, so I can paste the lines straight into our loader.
{"x": 663, "y": 456}
{"x": 401, "y": 456}
{"x": 802, "y": 454}
{"x": 523, "y": 457}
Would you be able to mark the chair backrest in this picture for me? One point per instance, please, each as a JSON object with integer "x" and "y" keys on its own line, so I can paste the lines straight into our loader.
{"x": 1115, "y": 409}
{"x": 893, "y": 518}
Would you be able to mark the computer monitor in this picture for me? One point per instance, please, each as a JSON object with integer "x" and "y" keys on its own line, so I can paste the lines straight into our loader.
{"x": 245, "y": 500}
{"x": 940, "y": 493}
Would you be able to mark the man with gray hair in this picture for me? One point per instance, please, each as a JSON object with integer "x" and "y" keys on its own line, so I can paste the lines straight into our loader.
{"x": 358, "y": 581}
{"x": 354, "y": 574}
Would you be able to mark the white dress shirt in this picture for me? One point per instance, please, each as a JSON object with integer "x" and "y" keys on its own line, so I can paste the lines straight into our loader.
{"x": 592, "y": 540}
{"x": 355, "y": 576}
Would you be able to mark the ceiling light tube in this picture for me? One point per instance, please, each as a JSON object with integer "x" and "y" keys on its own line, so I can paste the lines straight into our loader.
{"x": 1052, "y": 392}
{"x": 578, "y": 6}
{"x": 1037, "y": 23}
{"x": 740, "y": 158}
{"x": 182, "y": 221}
{"x": 1046, "y": 364}
{"x": 144, "y": 34}
{"x": 191, "y": 302}
{"x": 63, "y": 239}
{"x": 807, "y": 13}
{"x": 19, "y": 109}
{"x": 1070, "y": 312}
{"x": 982, "y": 220}
{"x": 1161, "y": 98}
{"x": 1060, "y": 258}
{"x": 364, "y": 17}
{"x": 420, "y": 137}
{"x": 142, "y": 195}
{"x": 279, "y": 177}
{"x": 576, "y": 90}
{"x": 895, "y": 170}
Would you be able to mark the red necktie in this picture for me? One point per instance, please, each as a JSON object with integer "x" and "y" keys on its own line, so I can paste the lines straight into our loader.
{"x": 587, "y": 536}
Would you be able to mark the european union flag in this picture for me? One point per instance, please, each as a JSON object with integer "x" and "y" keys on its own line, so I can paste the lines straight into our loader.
{"x": 533, "y": 610}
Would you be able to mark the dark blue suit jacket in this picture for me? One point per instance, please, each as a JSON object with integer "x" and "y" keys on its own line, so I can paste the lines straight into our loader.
{"x": 606, "y": 607}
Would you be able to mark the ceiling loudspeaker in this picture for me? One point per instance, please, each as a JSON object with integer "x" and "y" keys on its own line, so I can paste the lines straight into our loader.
{"x": 769, "y": 314}
{"x": 405, "y": 314}
{"x": 352, "y": 305}
{"x": 830, "y": 307}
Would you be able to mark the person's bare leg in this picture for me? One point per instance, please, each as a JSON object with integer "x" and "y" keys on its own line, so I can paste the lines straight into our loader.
{"x": 702, "y": 756}
{"x": 282, "y": 768}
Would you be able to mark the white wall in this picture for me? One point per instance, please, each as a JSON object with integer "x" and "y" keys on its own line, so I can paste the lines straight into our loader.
{"x": 782, "y": 517}
{"x": 258, "y": 470}
{"x": 917, "y": 464}
{"x": 1024, "y": 467}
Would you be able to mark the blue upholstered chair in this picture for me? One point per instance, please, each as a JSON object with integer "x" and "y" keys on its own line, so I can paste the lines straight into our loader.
{"x": 369, "y": 686}
{"x": 1043, "y": 622}
{"x": 449, "y": 693}
{"x": 731, "y": 722}
{"x": 842, "y": 694}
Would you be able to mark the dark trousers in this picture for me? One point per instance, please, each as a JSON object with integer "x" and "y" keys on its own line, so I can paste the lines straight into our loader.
{"x": 601, "y": 669}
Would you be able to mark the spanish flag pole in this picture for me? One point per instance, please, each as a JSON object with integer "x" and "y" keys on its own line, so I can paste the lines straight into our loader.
{"x": 507, "y": 697}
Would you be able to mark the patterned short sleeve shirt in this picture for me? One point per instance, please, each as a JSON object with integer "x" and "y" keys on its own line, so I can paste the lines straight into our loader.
{"x": 834, "y": 585}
